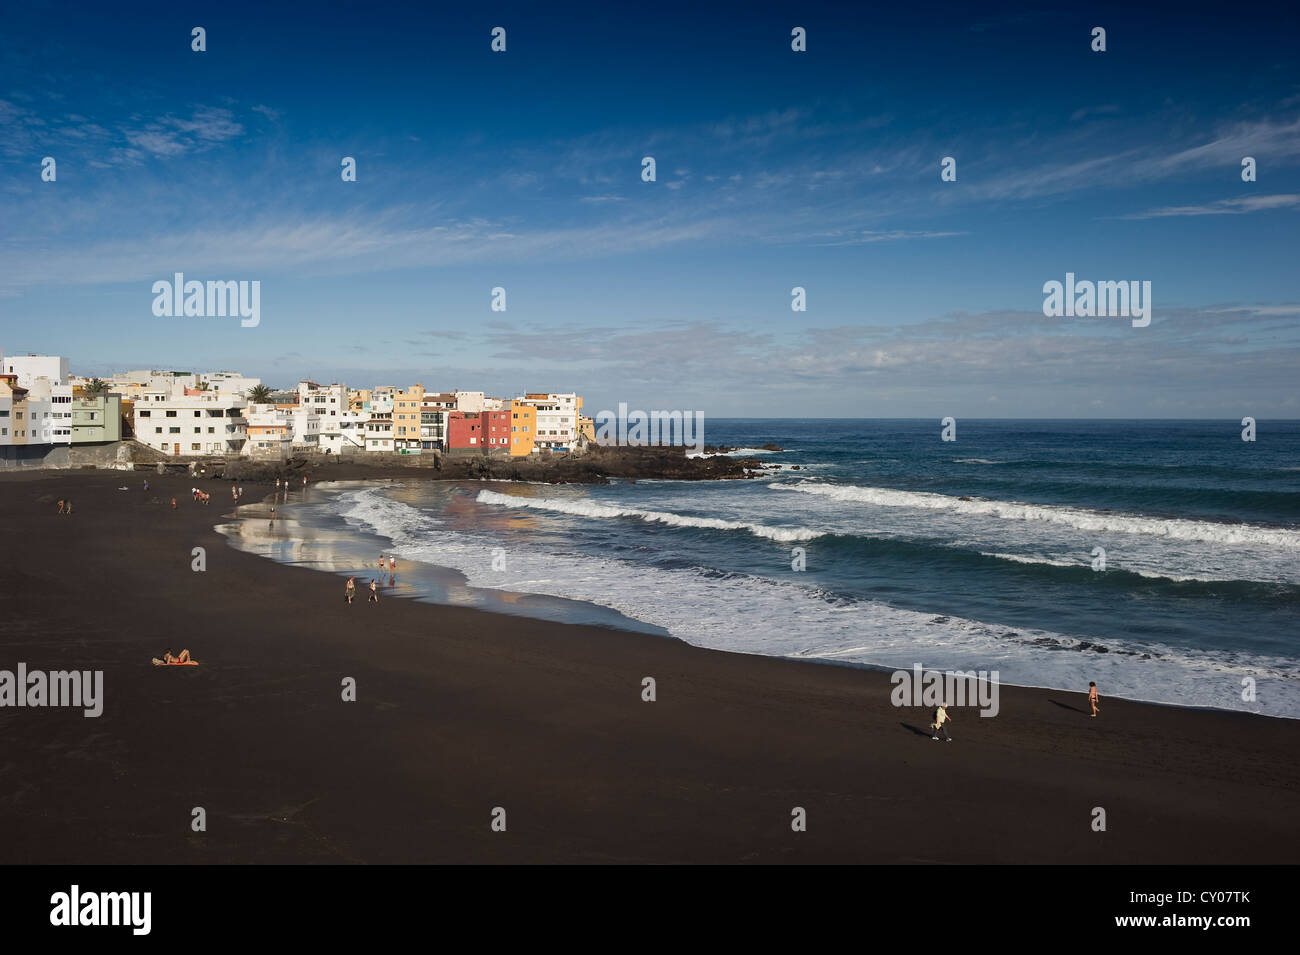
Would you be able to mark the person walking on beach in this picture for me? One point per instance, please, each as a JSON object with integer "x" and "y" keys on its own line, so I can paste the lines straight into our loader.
{"x": 146, "y": 485}
{"x": 69, "y": 506}
{"x": 60, "y": 505}
{"x": 277, "y": 484}
{"x": 173, "y": 503}
{"x": 1092, "y": 698}
{"x": 392, "y": 564}
{"x": 941, "y": 720}
{"x": 381, "y": 563}
{"x": 351, "y": 590}
{"x": 374, "y": 593}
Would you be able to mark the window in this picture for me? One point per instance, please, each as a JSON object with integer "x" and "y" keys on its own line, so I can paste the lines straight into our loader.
{"x": 171, "y": 414}
{"x": 194, "y": 447}
{"x": 173, "y": 430}
{"x": 212, "y": 431}
{"x": 198, "y": 414}
{"x": 157, "y": 430}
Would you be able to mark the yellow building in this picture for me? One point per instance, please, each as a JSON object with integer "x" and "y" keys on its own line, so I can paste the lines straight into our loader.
{"x": 357, "y": 399}
{"x": 586, "y": 427}
{"x": 406, "y": 417}
{"x": 523, "y": 428}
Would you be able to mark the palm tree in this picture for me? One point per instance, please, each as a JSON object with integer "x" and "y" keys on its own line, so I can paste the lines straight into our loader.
{"x": 259, "y": 394}
{"x": 95, "y": 388}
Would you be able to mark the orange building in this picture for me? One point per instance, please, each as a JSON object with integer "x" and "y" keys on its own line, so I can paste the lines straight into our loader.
{"x": 523, "y": 428}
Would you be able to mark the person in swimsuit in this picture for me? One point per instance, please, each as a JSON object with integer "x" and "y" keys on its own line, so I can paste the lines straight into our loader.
{"x": 351, "y": 590}
{"x": 60, "y": 505}
{"x": 374, "y": 593}
{"x": 392, "y": 563}
{"x": 168, "y": 658}
{"x": 1092, "y": 699}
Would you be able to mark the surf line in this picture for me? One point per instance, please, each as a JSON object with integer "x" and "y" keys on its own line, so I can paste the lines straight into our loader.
{"x": 38, "y": 688}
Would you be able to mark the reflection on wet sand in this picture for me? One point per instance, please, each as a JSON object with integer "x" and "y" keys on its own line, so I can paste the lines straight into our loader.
{"x": 304, "y": 530}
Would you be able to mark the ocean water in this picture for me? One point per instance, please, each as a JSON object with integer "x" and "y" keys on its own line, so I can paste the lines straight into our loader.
{"x": 976, "y": 554}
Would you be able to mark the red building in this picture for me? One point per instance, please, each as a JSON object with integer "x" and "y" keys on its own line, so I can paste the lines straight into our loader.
{"x": 496, "y": 430}
{"x": 464, "y": 430}
{"x": 479, "y": 430}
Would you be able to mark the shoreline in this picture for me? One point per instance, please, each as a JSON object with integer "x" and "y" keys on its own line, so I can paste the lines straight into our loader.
{"x": 634, "y": 625}
{"x": 460, "y": 710}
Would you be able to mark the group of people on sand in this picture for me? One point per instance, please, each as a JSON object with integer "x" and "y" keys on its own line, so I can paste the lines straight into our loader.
{"x": 200, "y": 496}
{"x": 65, "y": 505}
{"x": 941, "y": 719}
{"x": 350, "y": 591}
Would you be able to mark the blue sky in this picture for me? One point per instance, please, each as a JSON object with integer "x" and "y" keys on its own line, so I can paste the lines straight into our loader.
{"x": 775, "y": 169}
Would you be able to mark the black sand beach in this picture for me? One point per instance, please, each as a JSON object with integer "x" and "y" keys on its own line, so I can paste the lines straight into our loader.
{"x": 459, "y": 711}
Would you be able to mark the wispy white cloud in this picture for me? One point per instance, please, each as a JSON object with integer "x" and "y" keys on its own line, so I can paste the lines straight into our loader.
{"x": 1223, "y": 207}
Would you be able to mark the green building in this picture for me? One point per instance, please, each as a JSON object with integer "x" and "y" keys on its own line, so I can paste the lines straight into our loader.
{"x": 96, "y": 419}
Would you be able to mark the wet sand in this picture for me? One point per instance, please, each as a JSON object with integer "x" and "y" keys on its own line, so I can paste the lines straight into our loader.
{"x": 460, "y": 711}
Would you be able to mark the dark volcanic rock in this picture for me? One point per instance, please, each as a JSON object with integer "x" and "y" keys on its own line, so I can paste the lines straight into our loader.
{"x": 595, "y": 466}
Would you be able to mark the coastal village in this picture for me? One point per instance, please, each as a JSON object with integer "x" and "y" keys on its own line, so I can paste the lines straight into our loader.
{"x": 223, "y": 413}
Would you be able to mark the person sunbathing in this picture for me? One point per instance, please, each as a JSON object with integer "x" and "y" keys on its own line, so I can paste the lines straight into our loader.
{"x": 171, "y": 661}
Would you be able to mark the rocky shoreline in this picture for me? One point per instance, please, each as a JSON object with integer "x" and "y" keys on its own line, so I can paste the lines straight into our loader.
{"x": 596, "y": 465}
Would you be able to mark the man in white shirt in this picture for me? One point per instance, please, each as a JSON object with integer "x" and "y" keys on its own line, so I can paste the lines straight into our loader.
{"x": 941, "y": 720}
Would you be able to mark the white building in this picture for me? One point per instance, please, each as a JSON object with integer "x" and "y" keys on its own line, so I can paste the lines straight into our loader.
{"x": 30, "y": 367}
{"x": 270, "y": 432}
{"x": 471, "y": 401}
{"x": 327, "y": 400}
{"x": 208, "y": 423}
{"x": 49, "y": 396}
{"x": 133, "y": 384}
{"x": 343, "y": 433}
{"x": 306, "y": 424}
{"x": 557, "y": 420}
{"x": 49, "y": 411}
{"x": 227, "y": 382}
{"x": 379, "y": 432}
